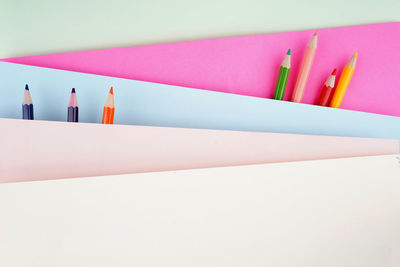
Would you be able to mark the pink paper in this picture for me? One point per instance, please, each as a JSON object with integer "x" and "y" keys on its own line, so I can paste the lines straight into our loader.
{"x": 249, "y": 65}
{"x": 39, "y": 150}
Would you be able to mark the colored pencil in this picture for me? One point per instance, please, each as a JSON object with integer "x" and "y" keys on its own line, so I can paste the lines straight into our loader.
{"x": 280, "y": 86}
{"x": 73, "y": 107}
{"x": 305, "y": 69}
{"x": 108, "y": 112}
{"x": 344, "y": 81}
{"x": 327, "y": 90}
{"x": 27, "y": 105}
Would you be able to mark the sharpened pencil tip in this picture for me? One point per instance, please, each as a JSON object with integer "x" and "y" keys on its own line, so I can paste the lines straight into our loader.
{"x": 26, "y": 87}
{"x": 334, "y": 72}
{"x": 73, "y": 91}
{"x": 315, "y": 34}
{"x": 111, "y": 91}
{"x": 288, "y": 52}
{"x": 355, "y": 54}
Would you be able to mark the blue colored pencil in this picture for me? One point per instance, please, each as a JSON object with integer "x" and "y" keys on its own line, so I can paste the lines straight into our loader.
{"x": 27, "y": 105}
{"x": 73, "y": 107}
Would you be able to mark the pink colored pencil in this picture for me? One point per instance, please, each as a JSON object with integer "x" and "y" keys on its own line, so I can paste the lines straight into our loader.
{"x": 305, "y": 69}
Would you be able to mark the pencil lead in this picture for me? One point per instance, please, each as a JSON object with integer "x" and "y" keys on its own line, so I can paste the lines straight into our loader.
{"x": 26, "y": 87}
{"x": 334, "y": 72}
{"x": 288, "y": 52}
{"x": 73, "y": 91}
{"x": 111, "y": 91}
{"x": 315, "y": 34}
{"x": 355, "y": 54}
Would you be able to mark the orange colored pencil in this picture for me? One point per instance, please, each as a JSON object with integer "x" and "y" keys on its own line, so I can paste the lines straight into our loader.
{"x": 108, "y": 111}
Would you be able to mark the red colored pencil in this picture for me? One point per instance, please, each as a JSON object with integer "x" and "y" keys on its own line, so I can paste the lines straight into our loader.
{"x": 108, "y": 111}
{"x": 327, "y": 90}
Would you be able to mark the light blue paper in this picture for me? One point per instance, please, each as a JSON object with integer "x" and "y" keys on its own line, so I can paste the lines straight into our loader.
{"x": 144, "y": 103}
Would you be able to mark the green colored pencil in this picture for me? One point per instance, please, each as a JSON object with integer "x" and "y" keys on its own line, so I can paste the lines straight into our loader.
{"x": 282, "y": 77}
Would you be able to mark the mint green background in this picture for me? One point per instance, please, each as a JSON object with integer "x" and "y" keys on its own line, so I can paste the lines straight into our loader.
{"x": 29, "y": 27}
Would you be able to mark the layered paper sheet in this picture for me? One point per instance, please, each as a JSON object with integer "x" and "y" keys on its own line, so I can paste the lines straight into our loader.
{"x": 249, "y": 65}
{"x": 143, "y": 103}
{"x": 341, "y": 212}
{"x": 38, "y": 150}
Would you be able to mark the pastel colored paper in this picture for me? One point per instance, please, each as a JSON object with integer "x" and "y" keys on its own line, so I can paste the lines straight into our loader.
{"x": 340, "y": 212}
{"x": 249, "y": 65}
{"x": 143, "y": 103}
{"x": 38, "y": 150}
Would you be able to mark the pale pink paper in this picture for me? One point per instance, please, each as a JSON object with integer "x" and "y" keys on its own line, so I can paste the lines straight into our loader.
{"x": 249, "y": 65}
{"x": 39, "y": 150}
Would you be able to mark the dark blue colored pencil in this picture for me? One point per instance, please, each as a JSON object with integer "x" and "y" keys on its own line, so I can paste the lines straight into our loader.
{"x": 27, "y": 105}
{"x": 72, "y": 107}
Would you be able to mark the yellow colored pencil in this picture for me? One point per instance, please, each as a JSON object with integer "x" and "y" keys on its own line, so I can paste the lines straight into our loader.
{"x": 343, "y": 83}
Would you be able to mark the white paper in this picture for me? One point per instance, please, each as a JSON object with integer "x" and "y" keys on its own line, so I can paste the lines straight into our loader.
{"x": 341, "y": 212}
